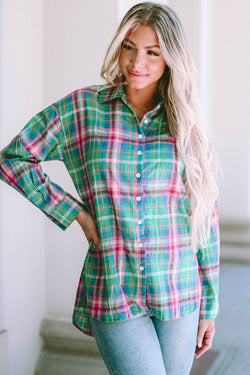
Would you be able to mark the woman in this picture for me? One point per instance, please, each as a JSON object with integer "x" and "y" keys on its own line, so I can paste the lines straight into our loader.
{"x": 142, "y": 167}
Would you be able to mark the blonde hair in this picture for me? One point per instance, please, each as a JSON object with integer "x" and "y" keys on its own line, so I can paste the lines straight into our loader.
{"x": 178, "y": 87}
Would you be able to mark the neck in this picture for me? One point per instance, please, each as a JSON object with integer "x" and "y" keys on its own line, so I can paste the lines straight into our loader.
{"x": 145, "y": 99}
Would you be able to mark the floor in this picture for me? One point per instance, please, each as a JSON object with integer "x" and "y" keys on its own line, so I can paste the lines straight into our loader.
{"x": 232, "y": 339}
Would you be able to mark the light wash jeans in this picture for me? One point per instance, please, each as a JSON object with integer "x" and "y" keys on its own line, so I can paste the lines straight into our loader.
{"x": 145, "y": 345}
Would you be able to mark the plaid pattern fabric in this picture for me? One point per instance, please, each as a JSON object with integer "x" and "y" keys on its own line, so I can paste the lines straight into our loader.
{"x": 130, "y": 178}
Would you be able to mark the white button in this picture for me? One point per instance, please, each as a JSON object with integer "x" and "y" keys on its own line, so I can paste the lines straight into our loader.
{"x": 139, "y": 135}
{"x": 140, "y": 244}
{"x": 139, "y": 152}
{"x": 158, "y": 107}
{"x": 138, "y": 198}
{"x": 146, "y": 120}
{"x": 138, "y": 174}
{"x": 139, "y": 221}
{"x": 141, "y": 268}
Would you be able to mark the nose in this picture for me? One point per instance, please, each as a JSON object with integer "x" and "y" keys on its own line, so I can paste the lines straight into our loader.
{"x": 137, "y": 60}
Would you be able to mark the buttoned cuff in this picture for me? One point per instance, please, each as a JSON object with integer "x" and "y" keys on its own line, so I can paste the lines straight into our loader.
{"x": 209, "y": 308}
{"x": 65, "y": 211}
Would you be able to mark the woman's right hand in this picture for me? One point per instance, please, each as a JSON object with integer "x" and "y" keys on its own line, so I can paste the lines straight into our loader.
{"x": 89, "y": 227}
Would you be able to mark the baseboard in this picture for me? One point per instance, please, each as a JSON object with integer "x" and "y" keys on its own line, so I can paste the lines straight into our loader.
{"x": 235, "y": 241}
{"x": 235, "y": 233}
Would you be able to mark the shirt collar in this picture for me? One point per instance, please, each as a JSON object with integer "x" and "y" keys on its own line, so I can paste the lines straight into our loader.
{"x": 108, "y": 93}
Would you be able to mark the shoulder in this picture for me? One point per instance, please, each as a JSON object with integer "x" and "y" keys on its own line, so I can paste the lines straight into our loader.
{"x": 84, "y": 93}
{"x": 89, "y": 95}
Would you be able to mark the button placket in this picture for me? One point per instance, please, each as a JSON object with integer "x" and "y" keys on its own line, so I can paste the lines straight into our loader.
{"x": 139, "y": 199}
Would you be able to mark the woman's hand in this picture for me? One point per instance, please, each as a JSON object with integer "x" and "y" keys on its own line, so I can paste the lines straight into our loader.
{"x": 205, "y": 336}
{"x": 88, "y": 225}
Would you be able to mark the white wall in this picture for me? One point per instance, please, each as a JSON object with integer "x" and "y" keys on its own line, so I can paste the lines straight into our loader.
{"x": 189, "y": 13}
{"x": 22, "y": 265}
{"x": 125, "y": 5}
{"x": 76, "y": 38}
{"x": 230, "y": 99}
{"x": 194, "y": 17}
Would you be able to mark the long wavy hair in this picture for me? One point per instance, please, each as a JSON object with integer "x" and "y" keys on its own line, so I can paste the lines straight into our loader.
{"x": 178, "y": 88}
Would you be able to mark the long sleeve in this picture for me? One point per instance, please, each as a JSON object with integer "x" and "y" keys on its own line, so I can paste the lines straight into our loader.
{"x": 40, "y": 140}
{"x": 209, "y": 263}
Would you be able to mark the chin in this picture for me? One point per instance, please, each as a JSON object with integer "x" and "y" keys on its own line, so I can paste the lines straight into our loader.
{"x": 137, "y": 85}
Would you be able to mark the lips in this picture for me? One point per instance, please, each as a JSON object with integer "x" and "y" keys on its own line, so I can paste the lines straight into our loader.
{"x": 136, "y": 74}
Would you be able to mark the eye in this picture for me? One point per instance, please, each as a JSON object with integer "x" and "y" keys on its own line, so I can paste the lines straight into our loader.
{"x": 127, "y": 47}
{"x": 151, "y": 53}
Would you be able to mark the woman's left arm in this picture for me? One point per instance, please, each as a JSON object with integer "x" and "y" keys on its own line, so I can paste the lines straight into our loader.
{"x": 209, "y": 264}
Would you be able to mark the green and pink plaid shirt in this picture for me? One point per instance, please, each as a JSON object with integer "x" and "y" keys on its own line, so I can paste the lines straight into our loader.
{"x": 130, "y": 178}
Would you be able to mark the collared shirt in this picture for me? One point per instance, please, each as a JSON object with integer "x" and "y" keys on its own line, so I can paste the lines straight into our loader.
{"x": 130, "y": 178}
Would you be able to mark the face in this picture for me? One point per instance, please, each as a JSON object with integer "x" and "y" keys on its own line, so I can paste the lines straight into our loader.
{"x": 140, "y": 60}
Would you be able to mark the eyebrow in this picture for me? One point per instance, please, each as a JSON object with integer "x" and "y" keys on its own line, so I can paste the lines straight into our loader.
{"x": 147, "y": 47}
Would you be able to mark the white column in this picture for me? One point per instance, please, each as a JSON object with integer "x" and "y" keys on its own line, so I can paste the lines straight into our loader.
{"x": 4, "y": 366}
{"x": 22, "y": 283}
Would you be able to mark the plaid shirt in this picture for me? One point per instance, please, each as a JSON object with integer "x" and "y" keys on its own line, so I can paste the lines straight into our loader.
{"x": 129, "y": 176}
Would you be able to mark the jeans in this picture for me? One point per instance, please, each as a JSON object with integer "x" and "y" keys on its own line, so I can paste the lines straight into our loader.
{"x": 145, "y": 345}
